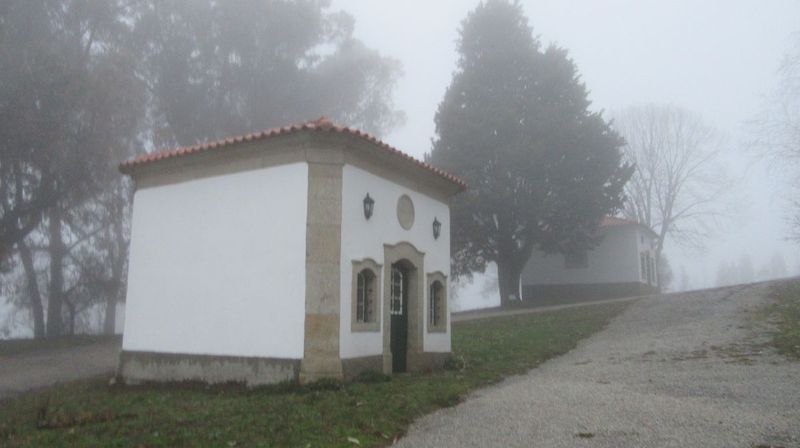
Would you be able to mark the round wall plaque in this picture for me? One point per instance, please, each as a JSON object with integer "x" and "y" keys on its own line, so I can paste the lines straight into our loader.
{"x": 405, "y": 212}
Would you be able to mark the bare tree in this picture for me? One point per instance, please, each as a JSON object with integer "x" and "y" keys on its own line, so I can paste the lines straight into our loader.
{"x": 678, "y": 184}
{"x": 778, "y": 125}
{"x": 777, "y": 128}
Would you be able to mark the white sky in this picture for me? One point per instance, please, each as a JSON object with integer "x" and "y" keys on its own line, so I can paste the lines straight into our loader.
{"x": 718, "y": 58}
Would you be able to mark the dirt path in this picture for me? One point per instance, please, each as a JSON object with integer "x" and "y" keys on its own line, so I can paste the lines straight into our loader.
{"x": 44, "y": 368}
{"x": 685, "y": 370}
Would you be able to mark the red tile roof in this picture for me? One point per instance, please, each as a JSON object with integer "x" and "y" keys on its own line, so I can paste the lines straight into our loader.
{"x": 613, "y": 221}
{"x": 610, "y": 221}
{"x": 320, "y": 125}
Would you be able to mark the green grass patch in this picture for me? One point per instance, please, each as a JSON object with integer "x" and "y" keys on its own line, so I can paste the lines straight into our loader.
{"x": 786, "y": 312}
{"x": 10, "y": 347}
{"x": 373, "y": 412}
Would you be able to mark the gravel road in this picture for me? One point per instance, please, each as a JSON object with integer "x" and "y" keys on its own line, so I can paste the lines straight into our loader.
{"x": 680, "y": 370}
{"x": 38, "y": 369}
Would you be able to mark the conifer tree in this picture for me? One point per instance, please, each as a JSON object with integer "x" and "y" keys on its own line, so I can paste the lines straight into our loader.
{"x": 515, "y": 124}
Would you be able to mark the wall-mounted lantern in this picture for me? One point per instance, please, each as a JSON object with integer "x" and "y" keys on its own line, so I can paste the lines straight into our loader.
{"x": 369, "y": 204}
{"x": 437, "y": 228}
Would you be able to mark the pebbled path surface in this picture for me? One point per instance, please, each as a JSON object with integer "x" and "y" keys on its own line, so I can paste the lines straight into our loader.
{"x": 679, "y": 370}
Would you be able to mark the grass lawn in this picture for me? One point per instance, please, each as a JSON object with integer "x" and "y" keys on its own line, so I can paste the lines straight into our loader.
{"x": 16, "y": 346}
{"x": 787, "y": 311}
{"x": 372, "y": 412}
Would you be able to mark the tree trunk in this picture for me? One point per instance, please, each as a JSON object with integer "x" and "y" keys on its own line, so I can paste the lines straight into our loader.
{"x": 71, "y": 320}
{"x": 55, "y": 321}
{"x": 665, "y": 227}
{"x": 117, "y": 283}
{"x": 34, "y": 295}
{"x": 111, "y": 315}
{"x": 508, "y": 274}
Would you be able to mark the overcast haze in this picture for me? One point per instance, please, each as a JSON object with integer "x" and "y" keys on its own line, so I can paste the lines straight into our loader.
{"x": 717, "y": 58}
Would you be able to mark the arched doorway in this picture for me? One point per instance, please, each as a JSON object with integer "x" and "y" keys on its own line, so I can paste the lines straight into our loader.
{"x": 403, "y": 308}
{"x": 399, "y": 296}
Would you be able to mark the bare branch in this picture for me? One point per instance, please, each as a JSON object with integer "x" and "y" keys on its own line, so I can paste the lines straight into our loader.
{"x": 679, "y": 182}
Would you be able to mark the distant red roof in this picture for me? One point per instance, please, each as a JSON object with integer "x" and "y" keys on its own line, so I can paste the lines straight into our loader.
{"x": 320, "y": 125}
{"x": 613, "y": 221}
{"x": 610, "y": 221}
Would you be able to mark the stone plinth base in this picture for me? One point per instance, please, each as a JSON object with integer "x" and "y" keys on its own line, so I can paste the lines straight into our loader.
{"x": 137, "y": 367}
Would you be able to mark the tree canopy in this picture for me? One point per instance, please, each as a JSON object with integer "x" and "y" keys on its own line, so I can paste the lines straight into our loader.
{"x": 66, "y": 100}
{"x": 85, "y": 84}
{"x": 515, "y": 124}
{"x": 223, "y": 68}
{"x": 777, "y": 127}
{"x": 70, "y": 107}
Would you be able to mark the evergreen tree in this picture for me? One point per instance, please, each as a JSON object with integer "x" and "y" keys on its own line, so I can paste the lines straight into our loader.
{"x": 217, "y": 69}
{"x": 70, "y": 109}
{"x": 515, "y": 124}
{"x": 86, "y": 84}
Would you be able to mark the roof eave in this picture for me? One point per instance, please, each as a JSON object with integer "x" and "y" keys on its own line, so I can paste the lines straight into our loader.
{"x": 447, "y": 183}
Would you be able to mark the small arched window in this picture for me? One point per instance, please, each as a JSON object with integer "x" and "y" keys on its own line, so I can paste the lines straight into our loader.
{"x": 365, "y": 296}
{"x": 436, "y": 311}
{"x": 437, "y": 303}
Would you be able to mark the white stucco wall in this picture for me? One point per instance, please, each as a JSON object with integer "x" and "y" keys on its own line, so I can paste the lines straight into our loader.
{"x": 614, "y": 260}
{"x": 363, "y": 238}
{"x": 217, "y": 265}
{"x": 646, "y": 244}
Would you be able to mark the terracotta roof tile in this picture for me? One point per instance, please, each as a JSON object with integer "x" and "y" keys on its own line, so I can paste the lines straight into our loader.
{"x": 609, "y": 221}
{"x": 612, "y": 221}
{"x": 322, "y": 124}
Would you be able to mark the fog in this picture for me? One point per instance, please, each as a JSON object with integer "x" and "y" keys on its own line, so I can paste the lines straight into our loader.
{"x": 717, "y": 58}
{"x": 321, "y": 222}
{"x": 148, "y": 76}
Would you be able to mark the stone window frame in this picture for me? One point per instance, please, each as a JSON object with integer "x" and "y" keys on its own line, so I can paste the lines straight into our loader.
{"x": 376, "y": 269}
{"x": 442, "y": 279}
{"x": 365, "y": 296}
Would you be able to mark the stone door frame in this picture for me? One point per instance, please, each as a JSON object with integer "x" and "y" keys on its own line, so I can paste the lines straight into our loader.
{"x": 392, "y": 253}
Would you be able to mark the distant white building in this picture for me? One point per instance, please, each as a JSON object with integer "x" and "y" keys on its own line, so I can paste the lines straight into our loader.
{"x": 622, "y": 264}
{"x": 119, "y": 318}
{"x": 306, "y": 252}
